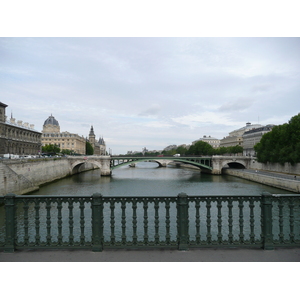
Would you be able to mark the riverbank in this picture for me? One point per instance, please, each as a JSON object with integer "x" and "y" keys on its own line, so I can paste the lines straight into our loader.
{"x": 279, "y": 180}
{"x": 26, "y": 176}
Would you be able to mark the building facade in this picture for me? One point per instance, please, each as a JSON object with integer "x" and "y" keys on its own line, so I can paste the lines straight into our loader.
{"x": 18, "y": 138}
{"x": 64, "y": 140}
{"x": 98, "y": 146}
{"x": 214, "y": 142}
{"x": 252, "y": 137}
{"x": 235, "y": 137}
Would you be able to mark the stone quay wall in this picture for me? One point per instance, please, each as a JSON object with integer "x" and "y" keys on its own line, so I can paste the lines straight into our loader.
{"x": 24, "y": 176}
{"x": 287, "y": 168}
{"x": 282, "y": 183}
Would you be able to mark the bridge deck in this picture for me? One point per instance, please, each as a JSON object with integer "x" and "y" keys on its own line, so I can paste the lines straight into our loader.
{"x": 199, "y": 161}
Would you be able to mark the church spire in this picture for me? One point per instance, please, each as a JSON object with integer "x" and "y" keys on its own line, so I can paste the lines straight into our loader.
{"x": 92, "y": 131}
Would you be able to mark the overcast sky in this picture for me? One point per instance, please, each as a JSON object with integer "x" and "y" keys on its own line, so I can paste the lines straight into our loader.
{"x": 150, "y": 92}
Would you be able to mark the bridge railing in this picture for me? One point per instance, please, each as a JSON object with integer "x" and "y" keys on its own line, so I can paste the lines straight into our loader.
{"x": 98, "y": 222}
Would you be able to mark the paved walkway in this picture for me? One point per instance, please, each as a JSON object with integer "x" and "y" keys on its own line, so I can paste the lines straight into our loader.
{"x": 271, "y": 174}
{"x": 193, "y": 255}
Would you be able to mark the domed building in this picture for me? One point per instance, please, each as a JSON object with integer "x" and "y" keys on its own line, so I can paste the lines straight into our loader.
{"x": 65, "y": 140}
{"x": 51, "y": 125}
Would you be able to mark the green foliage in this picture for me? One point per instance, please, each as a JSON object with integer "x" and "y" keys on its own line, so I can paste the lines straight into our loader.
{"x": 138, "y": 154}
{"x": 201, "y": 148}
{"x": 181, "y": 150}
{"x": 67, "y": 152}
{"x": 89, "y": 150}
{"x": 50, "y": 148}
{"x": 151, "y": 153}
{"x": 169, "y": 152}
{"x": 235, "y": 149}
{"x": 282, "y": 144}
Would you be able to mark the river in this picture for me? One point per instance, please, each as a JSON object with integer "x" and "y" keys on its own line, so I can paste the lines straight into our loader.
{"x": 147, "y": 179}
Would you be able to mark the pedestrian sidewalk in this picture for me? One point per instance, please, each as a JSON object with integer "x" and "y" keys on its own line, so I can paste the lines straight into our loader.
{"x": 193, "y": 255}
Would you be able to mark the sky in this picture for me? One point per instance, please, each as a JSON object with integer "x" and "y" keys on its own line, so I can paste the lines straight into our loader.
{"x": 150, "y": 91}
{"x": 151, "y": 74}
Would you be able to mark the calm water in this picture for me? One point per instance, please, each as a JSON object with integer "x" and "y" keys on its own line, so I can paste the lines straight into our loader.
{"x": 146, "y": 179}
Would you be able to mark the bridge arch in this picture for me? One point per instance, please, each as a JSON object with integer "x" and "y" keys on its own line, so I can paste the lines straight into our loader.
{"x": 201, "y": 163}
{"x": 234, "y": 164}
{"x": 75, "y": 167}
{"x": 126, "y": 162}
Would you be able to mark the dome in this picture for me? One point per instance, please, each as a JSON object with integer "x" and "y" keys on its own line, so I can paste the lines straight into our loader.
{"x": 51, "y": 121}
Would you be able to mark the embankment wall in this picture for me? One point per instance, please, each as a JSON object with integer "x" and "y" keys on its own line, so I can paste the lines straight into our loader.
{"x": 285, "y": 184}
{"x": 21, "y": 177}
{"x": 287, "y": 168}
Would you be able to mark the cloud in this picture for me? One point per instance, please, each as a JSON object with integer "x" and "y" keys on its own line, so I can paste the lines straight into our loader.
{"x": 261, "y": 88}
{"x": 206, "y": 119}
{"x": 158, "y": 124}
{"x": 164, "y": 90}
{"x": 241, "y": 104}
{"x": 153, "y": 110}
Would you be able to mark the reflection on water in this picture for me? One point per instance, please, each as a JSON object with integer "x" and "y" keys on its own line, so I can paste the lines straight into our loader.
{"x": 146, "y": 179}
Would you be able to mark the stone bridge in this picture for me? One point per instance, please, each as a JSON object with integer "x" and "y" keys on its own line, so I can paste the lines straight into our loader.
{"x": 101, "y": 162}
{"x": 237, "y": 162}
{"x": 24, "y": 176}
{"x": 208, "y": 164}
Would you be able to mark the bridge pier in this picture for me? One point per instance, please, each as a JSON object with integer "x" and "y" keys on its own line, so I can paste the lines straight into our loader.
{"x": 216, "y": 172}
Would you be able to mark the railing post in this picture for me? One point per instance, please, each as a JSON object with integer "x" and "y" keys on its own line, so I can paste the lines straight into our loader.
{"x": 9, "y": 202}
{"x": 267, "y": 221}
{"x": 97, "y": 223}
{"x": 183, "y": 221}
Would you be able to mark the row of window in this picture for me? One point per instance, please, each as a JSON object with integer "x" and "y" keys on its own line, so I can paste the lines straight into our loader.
{"x": 26, "y": 136}
{"x": 61, "y": 135}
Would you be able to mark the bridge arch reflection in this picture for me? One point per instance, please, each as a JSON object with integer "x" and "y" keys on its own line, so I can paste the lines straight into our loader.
{"x": 203, "y": 163}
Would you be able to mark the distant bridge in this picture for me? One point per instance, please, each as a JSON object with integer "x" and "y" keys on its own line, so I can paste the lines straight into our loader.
{"x": 163, "y": 161}
{"x": 209, "y": 164}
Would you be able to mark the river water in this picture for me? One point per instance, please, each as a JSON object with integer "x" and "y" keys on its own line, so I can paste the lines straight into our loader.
{"x": 147, "y": 179}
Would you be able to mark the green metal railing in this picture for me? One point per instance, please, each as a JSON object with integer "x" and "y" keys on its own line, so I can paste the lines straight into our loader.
{"x": 199, "y": 161}
{"x": 97, "y": 222}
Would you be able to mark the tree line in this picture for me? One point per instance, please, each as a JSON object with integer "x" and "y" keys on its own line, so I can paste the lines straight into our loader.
{"x": 55, "y": 149}
{"x": 282, "y": 144}
{"x": 199, "y": 148}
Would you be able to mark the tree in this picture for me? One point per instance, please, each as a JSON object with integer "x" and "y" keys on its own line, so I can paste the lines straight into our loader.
{"x": 235, "y": 149}
{"x": 89, "y": 150}
{"x": 282, "y": 144}
{"x": 201, "y": 148}
{"x": 169, "y": 152}
{"x": 67, "y": 152}
{"x": 181, "y": 150}
{"x": 50, "y": 148}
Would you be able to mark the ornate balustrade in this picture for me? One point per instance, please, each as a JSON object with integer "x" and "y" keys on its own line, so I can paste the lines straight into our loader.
{"x": 98, "y": 222}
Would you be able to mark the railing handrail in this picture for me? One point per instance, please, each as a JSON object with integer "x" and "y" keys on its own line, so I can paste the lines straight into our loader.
{"x": 259, "y": 211}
